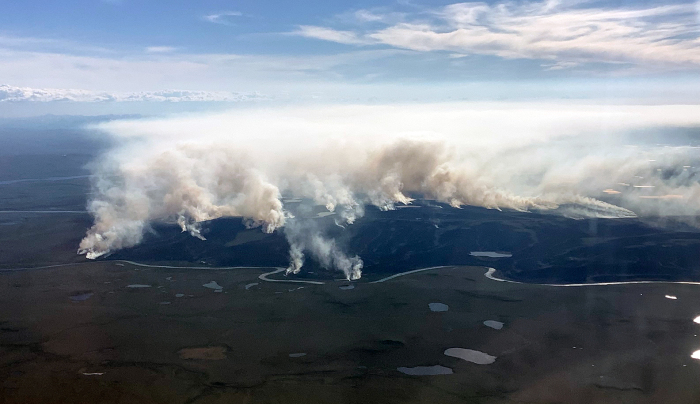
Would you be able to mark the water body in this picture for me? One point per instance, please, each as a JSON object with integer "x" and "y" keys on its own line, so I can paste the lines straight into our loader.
{"x": 409, "y": 273}
{"x": 44, "y": 211}
{"x": 213, "y": 285}
{"x": 138, "y": 286}
{"x": 44, "y": 179}
{"x": 438, "y": 307}
{"x": 490, "y": 254}
{"x": 81, "y": 296}
{"x": 425, "y": 370}
{"x": 496, "y": 325}
{"x": 297, "y": 355}
{"x": 470, "y": 355}
{"x": 264, "y": 277}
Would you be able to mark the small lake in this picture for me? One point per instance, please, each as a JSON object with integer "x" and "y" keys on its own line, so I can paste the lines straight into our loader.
{"x": 470, "y": 355}
{"x": 425, "y": 370}
{"x": 81, "y": 296}
{"x": 438, "y": 307}
{"x": 490, "y": 254}
{"x": 496, "y": 325}
{"x": 213, "y": 285}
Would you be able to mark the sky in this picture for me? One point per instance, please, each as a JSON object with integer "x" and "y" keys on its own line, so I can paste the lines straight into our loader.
{"x": 92, "y": 56}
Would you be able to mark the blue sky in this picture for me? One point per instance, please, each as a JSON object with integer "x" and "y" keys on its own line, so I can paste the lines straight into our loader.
{"x": 113, "y": 50}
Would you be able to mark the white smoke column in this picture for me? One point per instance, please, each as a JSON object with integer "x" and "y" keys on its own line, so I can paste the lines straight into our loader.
{"x": 191, "y": 169}
{"x": 303, "y": 235}
{"x": 296, "y": 258}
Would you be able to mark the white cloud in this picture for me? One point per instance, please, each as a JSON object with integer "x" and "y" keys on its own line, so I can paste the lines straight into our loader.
{"x": 160, "y": 49}
{"x": 560, "y": 65}
{"x": 368, "y": 16}
{"x": 221, "y": 18}
{"x": 564, "y": 32}
{"x": 328, "y": 34}
{"x": 19, "y": 94}
{"x": 11, "y": 93}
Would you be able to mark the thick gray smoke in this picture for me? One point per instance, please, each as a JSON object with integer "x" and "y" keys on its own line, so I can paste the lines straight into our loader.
{"x": 565, "y": 159}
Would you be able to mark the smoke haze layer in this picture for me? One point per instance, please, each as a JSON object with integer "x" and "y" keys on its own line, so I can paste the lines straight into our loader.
{"x": 574, "y": 160}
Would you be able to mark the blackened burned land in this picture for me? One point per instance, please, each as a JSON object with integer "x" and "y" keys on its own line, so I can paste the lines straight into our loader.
{"x": 544, "y": 248}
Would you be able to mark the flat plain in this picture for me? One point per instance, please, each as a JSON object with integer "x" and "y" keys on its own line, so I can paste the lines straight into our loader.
{"x": 85, "y": 336}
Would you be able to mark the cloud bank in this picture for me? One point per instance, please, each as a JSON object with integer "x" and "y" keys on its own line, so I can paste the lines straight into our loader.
{"x": 22, "y": 94}
{"x": 570, "y": 32}
{"x": 573, "y": 160}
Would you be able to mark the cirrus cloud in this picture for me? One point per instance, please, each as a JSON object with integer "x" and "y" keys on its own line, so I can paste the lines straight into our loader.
{"x": 327, "y": 34}
{"x": 222, "y": 17}
{"x": 566, "y": 33}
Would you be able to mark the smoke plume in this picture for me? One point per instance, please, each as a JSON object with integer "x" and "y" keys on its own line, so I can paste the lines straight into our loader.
{"x": 575, "y": 160}
{"x": 304, "y": 236}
